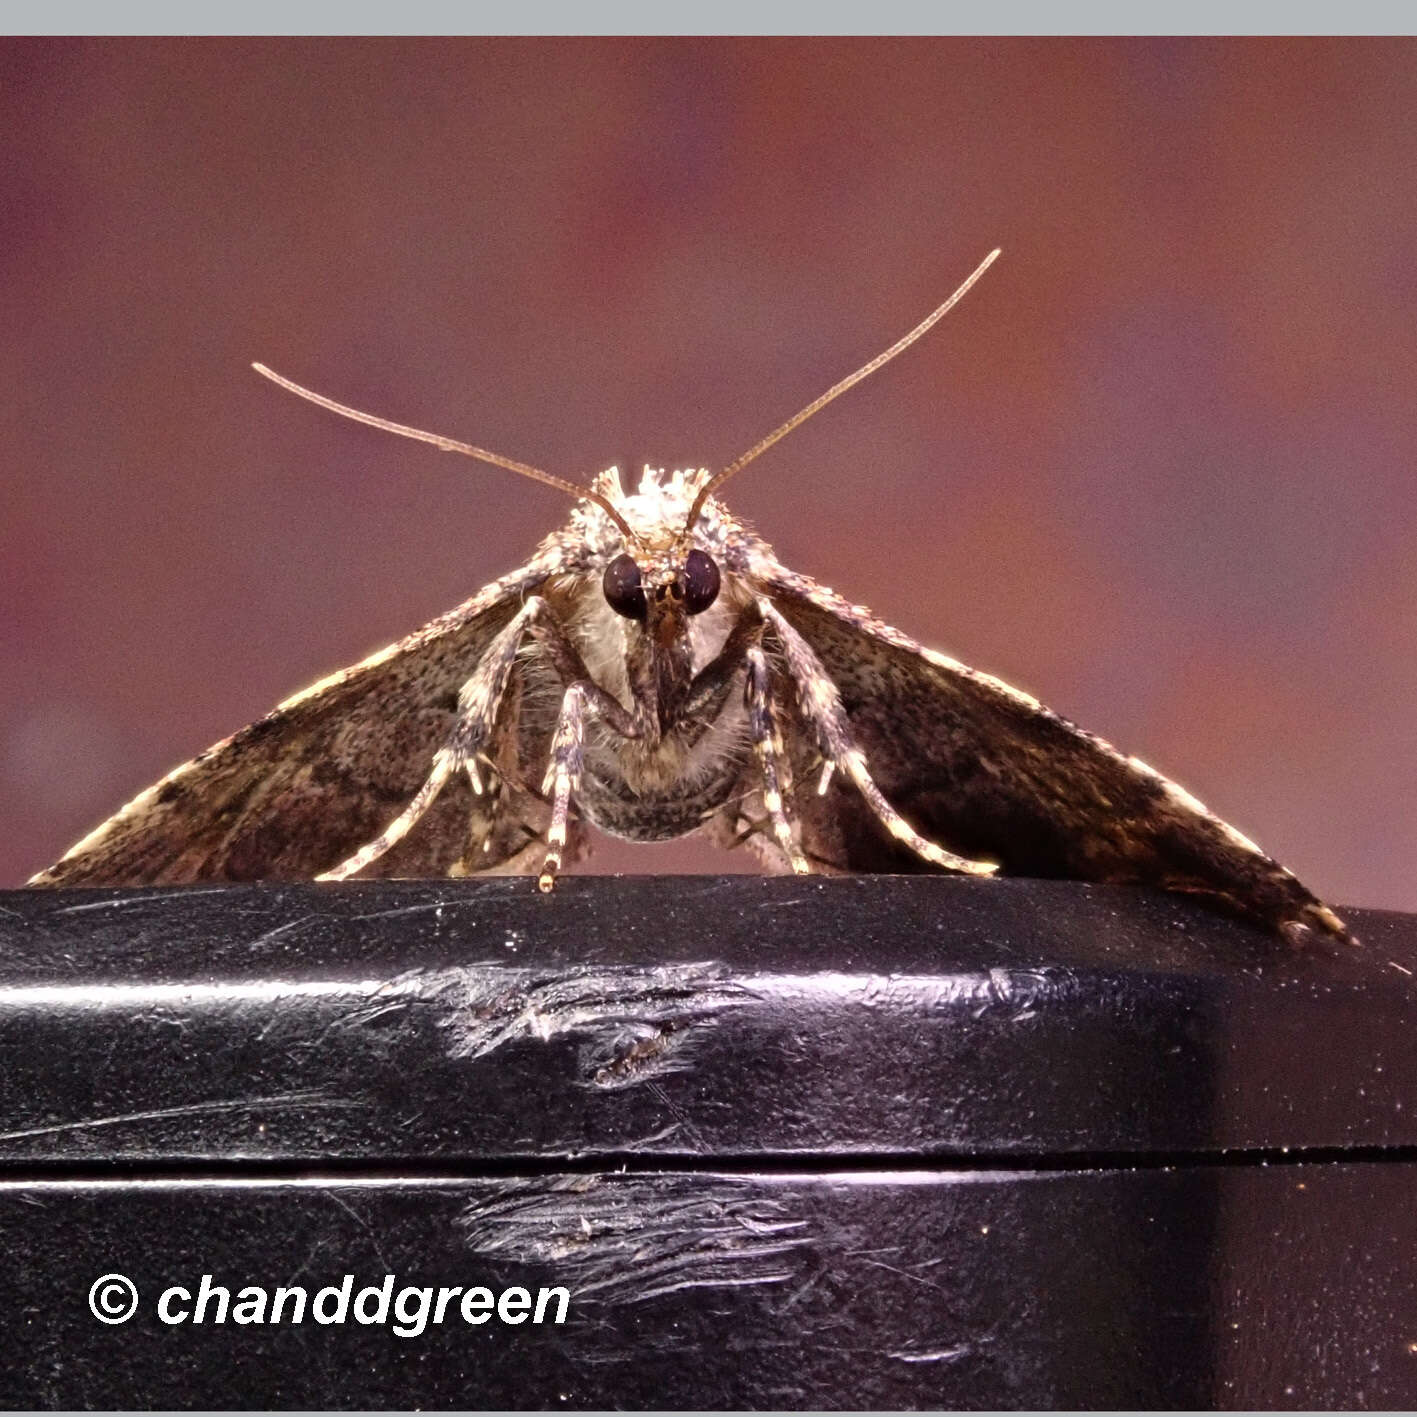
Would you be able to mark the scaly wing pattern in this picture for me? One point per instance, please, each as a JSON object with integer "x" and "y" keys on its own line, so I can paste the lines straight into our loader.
{"x": 988, "y": 772}
{"x": 301, "y": 789}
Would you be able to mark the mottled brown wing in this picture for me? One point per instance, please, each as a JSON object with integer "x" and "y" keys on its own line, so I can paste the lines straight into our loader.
{"x": 300, "y": 790}
{"x": 987, "y": 772}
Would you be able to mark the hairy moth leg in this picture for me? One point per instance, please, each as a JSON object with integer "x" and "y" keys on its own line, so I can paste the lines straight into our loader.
{"x": 563, "y": 774}
{"x": 481, "y": 697}
{"x": 478, "y": 701}
{"x": 821, "y": 706}
{"x": 444, "y": 765}
{"x": 483, "y": 694}
{"x": 768, "y": 743}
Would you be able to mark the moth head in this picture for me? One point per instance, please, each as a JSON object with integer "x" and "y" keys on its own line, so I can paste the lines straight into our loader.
{"x": 669, "y": 584}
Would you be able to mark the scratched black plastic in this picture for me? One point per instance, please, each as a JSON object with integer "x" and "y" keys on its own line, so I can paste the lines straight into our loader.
{"x": 689, "y": 1017}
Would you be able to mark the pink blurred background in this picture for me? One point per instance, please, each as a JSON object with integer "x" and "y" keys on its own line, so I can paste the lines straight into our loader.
{"x": 1158, "y": 468}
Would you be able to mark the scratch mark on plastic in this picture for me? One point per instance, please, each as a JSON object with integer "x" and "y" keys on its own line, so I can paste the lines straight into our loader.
{"x": 628, "y": 1239}
{"x": 360, "y": 1221}
{"x": 932, "y": 1355}
{"x": 632, "y": 1024}
{"x": 283, "y": 930}
{"x": 146, "y": 898}
{"x": 312, "y": 1099}
{"x": 427, "y": 907}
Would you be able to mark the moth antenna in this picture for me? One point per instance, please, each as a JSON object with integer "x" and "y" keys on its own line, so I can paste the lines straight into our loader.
{"x": 451, "y": 445}
{"x": 739, "y": 463}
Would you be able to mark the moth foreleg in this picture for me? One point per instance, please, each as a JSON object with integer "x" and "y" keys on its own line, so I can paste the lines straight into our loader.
{"x": 771, "y": 757}
{"x": 716, "y": 675}
{"x": 481, "y": 697}
{"x": 821, "y": 706}
{"x": 563, "y": 773}
{"x": 478, "y": 702}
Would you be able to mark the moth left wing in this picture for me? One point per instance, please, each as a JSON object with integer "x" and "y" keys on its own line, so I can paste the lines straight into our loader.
{"x": 300, "y": 790}
{"x": 988, "y": 772}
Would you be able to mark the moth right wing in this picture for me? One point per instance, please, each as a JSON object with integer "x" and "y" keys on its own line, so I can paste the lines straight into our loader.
{"x": 986, "y": 771}
{"x": 300, "y": 790}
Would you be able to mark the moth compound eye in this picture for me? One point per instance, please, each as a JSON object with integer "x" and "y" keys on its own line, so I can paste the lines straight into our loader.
{"x": 623, "y": 590}
{"x": 700, "y": 581}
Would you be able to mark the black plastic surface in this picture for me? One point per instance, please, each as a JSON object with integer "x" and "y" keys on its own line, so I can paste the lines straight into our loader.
{"x": 834, "y": 1142}
{"x": 688, "y": 1017}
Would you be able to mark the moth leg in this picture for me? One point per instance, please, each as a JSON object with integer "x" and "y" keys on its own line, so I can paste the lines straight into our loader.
{"x": 747, "y": 631}
{"x": 768, "y": 743}
{"x": 481, "y": 697}
{"x": 478, "y": 703}
{"x": 477, "y": 709}
{"x": 821, "y": 707}
{"x": 743, "y": 647}
{"x": 563, "y": 773}
{"x": 444, "y": 765}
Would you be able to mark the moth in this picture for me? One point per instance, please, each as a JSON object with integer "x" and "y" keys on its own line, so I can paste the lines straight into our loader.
{"x": 653, "y": 669}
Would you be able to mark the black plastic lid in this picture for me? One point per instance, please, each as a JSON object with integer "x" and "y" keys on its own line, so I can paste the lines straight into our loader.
{"x": 737, "y": 1017}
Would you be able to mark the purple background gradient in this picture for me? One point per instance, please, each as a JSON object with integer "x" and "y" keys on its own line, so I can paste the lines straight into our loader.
{"x": 1158, "y": 468}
